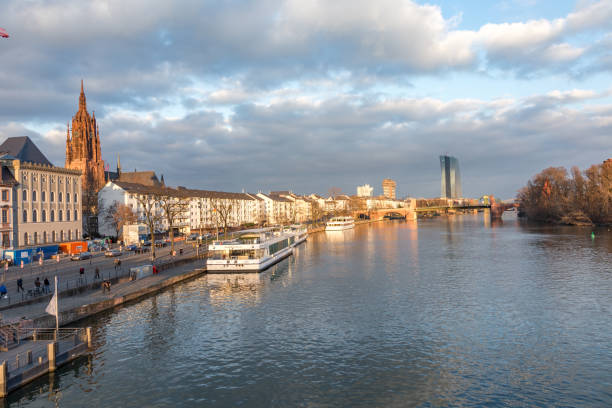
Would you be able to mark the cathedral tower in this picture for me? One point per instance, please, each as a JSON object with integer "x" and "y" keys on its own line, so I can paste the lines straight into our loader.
{"x": 83, "y": 147}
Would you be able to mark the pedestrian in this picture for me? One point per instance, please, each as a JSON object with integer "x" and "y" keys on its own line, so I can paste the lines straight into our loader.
{"x": 116, "y": 264}
{"x": 3, "y": 291}
{"x": 46, "y": 283}
{"x": 20, "y": 285}
{"x": 106, "y": 286}
{"x": 97, "y": 276}
{"x": 37, "y": 284}
{"x": 119, "y": 264}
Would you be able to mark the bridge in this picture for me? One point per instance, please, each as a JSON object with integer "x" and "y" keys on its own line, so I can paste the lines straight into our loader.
{"x": 494, "y": 208}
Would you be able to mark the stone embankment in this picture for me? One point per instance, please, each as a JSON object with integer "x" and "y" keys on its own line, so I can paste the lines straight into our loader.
{"x": 80, "y": 305}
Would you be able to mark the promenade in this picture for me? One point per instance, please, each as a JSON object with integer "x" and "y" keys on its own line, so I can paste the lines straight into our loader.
{"x": 68, "y": 274}
{"x": 85, "y": 304}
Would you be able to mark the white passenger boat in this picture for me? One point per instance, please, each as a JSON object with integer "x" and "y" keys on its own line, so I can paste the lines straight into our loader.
{"x": 300, "y": 232}
{"x": 252, "y": 251}
{"x": 340, "y": 224}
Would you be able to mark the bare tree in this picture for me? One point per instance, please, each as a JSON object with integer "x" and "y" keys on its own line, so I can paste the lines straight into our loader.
{"x": 222, "y": 209}
{"x": 150, "y": 213}
{"x": 89, "y": 204}
{"x": 174, "y": 206}
{"x": 117, "y": 215}
{"x": 334, "y": 191}
{"x": 316, "y": 212}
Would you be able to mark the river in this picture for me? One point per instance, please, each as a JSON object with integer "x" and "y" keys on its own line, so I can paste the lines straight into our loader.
{"x": 437, "y": 312}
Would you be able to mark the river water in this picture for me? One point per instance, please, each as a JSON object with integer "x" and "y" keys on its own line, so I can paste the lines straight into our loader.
{"x": 438, "y": 312}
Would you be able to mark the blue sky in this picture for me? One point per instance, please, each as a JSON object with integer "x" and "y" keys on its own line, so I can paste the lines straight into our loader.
{"x": 306, "y": 95}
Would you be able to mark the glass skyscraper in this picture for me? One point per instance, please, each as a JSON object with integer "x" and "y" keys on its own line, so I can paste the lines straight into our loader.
{"x": 451, "y": 177}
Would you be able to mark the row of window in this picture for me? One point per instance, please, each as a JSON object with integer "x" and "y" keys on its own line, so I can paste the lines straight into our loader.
{"x": 24, "y": 179}
{"x": 43, "y": 196}
{"x": 60, "y": 216}
{"x": 33, "y": 239}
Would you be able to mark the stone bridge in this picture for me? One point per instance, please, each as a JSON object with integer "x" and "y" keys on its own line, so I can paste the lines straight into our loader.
{"x": 379, "y": 214}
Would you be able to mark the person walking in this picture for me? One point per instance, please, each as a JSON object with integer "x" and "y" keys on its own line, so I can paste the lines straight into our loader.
{"x": 97, "y": 275}
{"x": 20, "y": 285}
{"x": 46, "y": 283}
{"x": 37, "y": 284}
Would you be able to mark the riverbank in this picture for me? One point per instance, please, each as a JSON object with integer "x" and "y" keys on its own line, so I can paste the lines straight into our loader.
{"x": 75, "y": 308}
{"x": 322, "y": 227}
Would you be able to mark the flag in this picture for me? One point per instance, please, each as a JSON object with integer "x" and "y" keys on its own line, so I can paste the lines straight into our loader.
{"x": 52, "y": 306}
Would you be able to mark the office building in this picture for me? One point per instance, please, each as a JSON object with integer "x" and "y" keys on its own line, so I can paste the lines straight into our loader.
{"x": 451, "y": 177}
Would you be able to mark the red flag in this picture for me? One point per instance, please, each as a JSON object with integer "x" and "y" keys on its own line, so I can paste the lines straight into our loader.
{"x": 3, "y": 33}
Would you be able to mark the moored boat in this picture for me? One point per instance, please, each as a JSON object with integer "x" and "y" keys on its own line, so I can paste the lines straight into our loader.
{"x": 252, "y": 251}
{"x": 340, "y": 224}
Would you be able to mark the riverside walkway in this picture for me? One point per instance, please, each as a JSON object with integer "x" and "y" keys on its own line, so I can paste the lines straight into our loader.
{"x": 68, "y": 274}
{"x": 79, "y": 306}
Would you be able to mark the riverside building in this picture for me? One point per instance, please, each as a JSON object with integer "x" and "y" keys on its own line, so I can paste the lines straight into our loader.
{"x": 40, "y": 203}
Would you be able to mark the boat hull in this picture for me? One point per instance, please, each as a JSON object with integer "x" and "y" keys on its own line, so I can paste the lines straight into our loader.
{"x": 246, "y": 265}
{"x": 339, "y": 227}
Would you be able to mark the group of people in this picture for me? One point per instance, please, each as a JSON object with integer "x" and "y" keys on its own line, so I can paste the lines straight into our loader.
{"x": 39, "y": 287}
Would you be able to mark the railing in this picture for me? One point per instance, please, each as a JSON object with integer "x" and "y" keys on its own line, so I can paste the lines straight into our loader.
{"x": 38, "y": 339}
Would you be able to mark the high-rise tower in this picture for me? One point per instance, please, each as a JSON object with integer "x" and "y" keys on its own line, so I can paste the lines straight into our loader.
{"x": 83, "y": 147}
{"x": 451, "y": 177}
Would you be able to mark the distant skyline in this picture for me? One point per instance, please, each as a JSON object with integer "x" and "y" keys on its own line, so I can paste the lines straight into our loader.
{"x": 306, "y": 95}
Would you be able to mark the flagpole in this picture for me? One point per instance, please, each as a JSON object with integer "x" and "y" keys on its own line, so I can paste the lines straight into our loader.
{"x": 56, "y": 306}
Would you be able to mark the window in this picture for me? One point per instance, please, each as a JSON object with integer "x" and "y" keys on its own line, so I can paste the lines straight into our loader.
{"x": 25, "y": 215}
{"x": 5, "y": 195}
{"x": 75, "y": 198}
{"x": 25, "y": 195}
{"x": 4, "y": 216}
{"x": 34, "y": 195}
{"x": 60, "y": 218}
{"x": 52, "y": 196}
{"x": 67, "y": 215}
{"x": 44, "y": 216}
{"x": 34, "y": 216}
{"x": 76, "y": 215}
{"x": 61, "y": 235}
{"x": 52, "y": 236}
{"x": 67, "y": 197}
{"x": 52, "y": 217}
{"x": 69, "y": 235}
{"x": 6, "y": 240}
{"x": 59, "y": 196}
{"x": 44, "y": 237}
{"x": 35, "y": 237}
{"x": 25, "y": 238}
{"x": 76, "y": 234}
{"x": 43, "y": 196}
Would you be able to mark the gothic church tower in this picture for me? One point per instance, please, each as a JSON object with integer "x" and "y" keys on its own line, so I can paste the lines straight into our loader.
{"x": 83, "y": 147}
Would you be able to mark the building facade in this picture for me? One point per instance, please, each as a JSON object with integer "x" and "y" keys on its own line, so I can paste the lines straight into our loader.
{"x": 450, "y": 178}
{"x": 364, "y": 191}
{"x": 40, "y": 203}
{"x": 389, "y": 186}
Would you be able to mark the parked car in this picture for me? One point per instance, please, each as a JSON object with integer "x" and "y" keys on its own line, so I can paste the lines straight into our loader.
{"x": 112, "y": 252}
{"x": 132, "y": 247}
{"x": 81, "y": 256}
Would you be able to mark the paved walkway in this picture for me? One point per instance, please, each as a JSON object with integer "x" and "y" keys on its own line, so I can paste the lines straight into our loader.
{"x": 68, "y": 275}
{"x": 32, "y": 311}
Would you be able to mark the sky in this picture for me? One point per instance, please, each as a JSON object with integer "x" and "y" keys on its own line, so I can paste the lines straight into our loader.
{"x": 305, "y": 95}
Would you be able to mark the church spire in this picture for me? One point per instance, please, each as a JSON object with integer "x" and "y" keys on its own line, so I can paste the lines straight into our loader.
{"x": 82, "y": 102}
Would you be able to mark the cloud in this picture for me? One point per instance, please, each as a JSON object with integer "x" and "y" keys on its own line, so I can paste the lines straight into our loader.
{"x": 309, "y": 146}
{"x": 282, "y": 93}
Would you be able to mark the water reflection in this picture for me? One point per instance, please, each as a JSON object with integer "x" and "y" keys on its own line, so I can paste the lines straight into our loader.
{"x": 436, "y": 312}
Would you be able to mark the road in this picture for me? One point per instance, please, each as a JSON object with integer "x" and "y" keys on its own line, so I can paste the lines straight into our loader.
{"x": 67, "y": 270}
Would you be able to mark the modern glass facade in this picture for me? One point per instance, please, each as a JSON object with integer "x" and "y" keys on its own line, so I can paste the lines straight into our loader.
{"x": 451, "y": 177}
